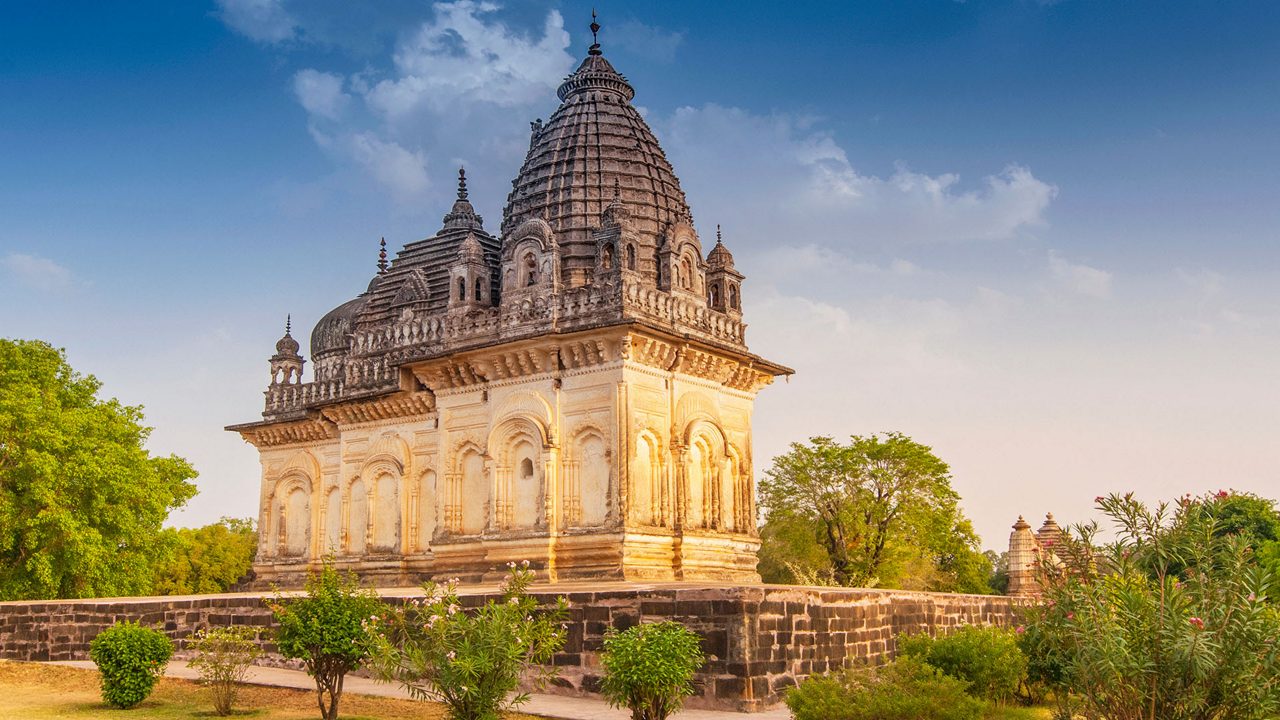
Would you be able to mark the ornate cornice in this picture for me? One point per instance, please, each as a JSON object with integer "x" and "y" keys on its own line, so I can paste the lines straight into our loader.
{"x": 308, "y": 430}
{"x": 399, "y": 405}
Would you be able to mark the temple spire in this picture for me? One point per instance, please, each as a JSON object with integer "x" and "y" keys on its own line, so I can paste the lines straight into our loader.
{"x": 462, "y": 183}
{"x": 382, "y": 257}
{"x": 595, "y": 31}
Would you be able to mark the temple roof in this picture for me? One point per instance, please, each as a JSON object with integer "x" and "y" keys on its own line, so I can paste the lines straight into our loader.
{"x": 594, "y": 140}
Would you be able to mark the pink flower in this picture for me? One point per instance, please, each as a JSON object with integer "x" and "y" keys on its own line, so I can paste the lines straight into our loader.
{"x": 1196, "y": 622}
{"x": 1020, "y": 629}
{"x": 1252, "y": 597}
{"x": 1098, "y": 499}
{"x": 451, "y": 655}
{"x": 1071, "y": 616}
{"x": 1223, "y": 495}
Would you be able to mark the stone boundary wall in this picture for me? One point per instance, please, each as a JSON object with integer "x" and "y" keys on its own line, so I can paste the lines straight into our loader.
{"x": 760, "y": 639}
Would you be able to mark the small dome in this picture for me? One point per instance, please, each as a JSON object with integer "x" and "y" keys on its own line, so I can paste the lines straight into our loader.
{"x": 333, "y": 332}
{"x": 720, "y": 256}
{"x": 287, "y": 345}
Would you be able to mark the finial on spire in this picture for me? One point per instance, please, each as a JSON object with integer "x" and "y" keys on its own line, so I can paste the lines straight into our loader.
{"x": 382, "y": 257}
{"x": 462, "y": 183}
{"x": 718, "y": 242}
{"x": 595, "y": 30}
{"x": 288, "y": 323}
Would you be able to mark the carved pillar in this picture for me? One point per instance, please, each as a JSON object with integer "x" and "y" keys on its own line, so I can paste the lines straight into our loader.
{"x": 551, "y": 488}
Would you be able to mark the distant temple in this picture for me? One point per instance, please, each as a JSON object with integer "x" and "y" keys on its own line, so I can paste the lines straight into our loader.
{"x": 1027, "y": 550}
{"x": 575, "y": 390}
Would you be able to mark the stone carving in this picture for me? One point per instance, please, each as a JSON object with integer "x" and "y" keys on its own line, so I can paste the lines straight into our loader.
{"x": 580, "y": 381}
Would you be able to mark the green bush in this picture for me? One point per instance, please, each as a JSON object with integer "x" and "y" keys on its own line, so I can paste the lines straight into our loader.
{"x": 1167, "y": 620}
{"x": 472, "y": 662}
{"x": 223, "y": 657}
{"x": 325, "y": 630}
{"x": 130, "y": 659}
{"x": 906, "y": 689}
{"x": 988, "y": 658}
{"x": 649, "y": 668}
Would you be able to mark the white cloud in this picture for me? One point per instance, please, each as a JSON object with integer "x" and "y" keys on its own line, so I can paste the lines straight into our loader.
{"x": 320, "y": 93}
{"x": 264, "y": 21}
{"x": 401, "y": 171}
{"x": 459, "y": 60}
{"x": 36, "y": 272}
{"x": 644, "y": 40}
{"x": 1079, "y": 278}
{"x": 794, "y": 178}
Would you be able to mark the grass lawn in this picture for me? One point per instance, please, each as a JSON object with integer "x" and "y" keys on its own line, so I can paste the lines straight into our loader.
{"x": 34, "y": 691}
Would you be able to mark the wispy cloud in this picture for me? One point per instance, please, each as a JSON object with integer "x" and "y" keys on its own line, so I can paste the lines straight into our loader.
{"x": 36, "y": 272}
{"x": 265, "y": 21}
{"x": 792, "y": 178}
{"x": 321, "y": 94}
{"x": 644, "y": 40}
{"x": 1079, "y": 278}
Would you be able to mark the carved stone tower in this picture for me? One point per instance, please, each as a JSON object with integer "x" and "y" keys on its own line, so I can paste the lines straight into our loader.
{"x": 576, "y": 392}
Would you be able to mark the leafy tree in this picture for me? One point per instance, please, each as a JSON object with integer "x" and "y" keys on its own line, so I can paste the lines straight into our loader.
{"x": 1166, "y": 621}
{"x": 81, "y": 499}
{"x": 325, "y": 630}
{"x": 209, "y": 559}
{"x": 879, "y": 510}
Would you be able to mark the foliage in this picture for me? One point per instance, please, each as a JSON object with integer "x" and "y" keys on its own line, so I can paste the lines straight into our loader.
{"x": 223, "y": 657}
{"x": 325, "y": 630}
{"x": 130, "y": 659}
{"x": 1253, "y": 518}
{"x": 649, "y": 668}
{"x": 999, "y": 580}
{"x": 905, "y": 689}
{"x": 81, "y": 500}
{"x": 470, "y": 661}
{"x": 876, "y": 511}
{"x": 209, "y": 559}
{"x": 988, "y": 658}
{"x": 1168, "y": 621}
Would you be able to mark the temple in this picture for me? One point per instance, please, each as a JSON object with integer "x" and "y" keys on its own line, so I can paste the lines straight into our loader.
{"x": 575, "y": 390}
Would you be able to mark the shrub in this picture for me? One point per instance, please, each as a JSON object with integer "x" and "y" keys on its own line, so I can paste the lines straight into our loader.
{"x": 324, "y": 629}
{"x": 1169, "y": 620}
{"x": 906, "y": 689}
{"x": 988, "y": 658}
{"x": 130, "y": 659}
{"x": 472, "y": 662}
{"x": 223, "y": 657}
{"x": 649, "y": 668}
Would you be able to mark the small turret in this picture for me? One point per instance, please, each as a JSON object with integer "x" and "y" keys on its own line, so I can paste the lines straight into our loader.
{"x": 286, "y": 364}
{"x": 1024, "y": 560}
{"x": 724, "y": 282}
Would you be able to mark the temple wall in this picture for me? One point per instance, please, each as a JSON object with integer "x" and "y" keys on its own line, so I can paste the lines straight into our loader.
{"x": 759, "y": 639}
{"x": 611, "y": 469}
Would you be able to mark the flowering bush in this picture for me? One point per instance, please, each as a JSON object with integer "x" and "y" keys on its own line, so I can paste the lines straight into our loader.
{"x": 649, "y": 668}
{"x": 1167, "y": 622}
{"x": 325, "y": 629}
{"x": 988, "y": 658}
{"x": 223, "y": 657}
{"x": 472, "y": 662}
{"x": 130, "y": 658}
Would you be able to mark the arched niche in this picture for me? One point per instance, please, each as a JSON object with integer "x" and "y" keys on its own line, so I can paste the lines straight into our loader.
{"x": 333, "y": 523}
{"x": 591, "y": 485}
{"x": 645, "y": 490}
{"x": 357, "y": 517}
{"x": 704, "y": 471}
{"x": 385, "y": 518}
{"x": 517, "y": 444}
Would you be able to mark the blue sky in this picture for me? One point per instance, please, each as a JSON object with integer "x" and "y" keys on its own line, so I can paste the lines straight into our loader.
{"x": 1040, "y": 236}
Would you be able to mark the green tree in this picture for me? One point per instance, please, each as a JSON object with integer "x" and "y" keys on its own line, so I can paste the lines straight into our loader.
{"x": 325, "y": 629}
{"x": 879, "y": 510}
{"x": 81, "y": 499}
{"x": 209, "y": 559}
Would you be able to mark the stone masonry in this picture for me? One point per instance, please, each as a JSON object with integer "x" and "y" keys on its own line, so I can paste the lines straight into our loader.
{"x": 760, "y": 639}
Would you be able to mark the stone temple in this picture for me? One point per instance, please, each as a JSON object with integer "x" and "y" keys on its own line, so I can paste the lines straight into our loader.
{"x": 574, "y": 389}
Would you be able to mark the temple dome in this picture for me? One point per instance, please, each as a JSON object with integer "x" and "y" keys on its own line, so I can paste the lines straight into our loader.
{"x": 720, "y": 256}
{"x": 287, "y": 345}
{"x": 595, "y": 140}
{"x": 333, "y": 332}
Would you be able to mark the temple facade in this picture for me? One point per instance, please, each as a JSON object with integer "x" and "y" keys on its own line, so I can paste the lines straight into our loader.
{"x": 574, "y": 390}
